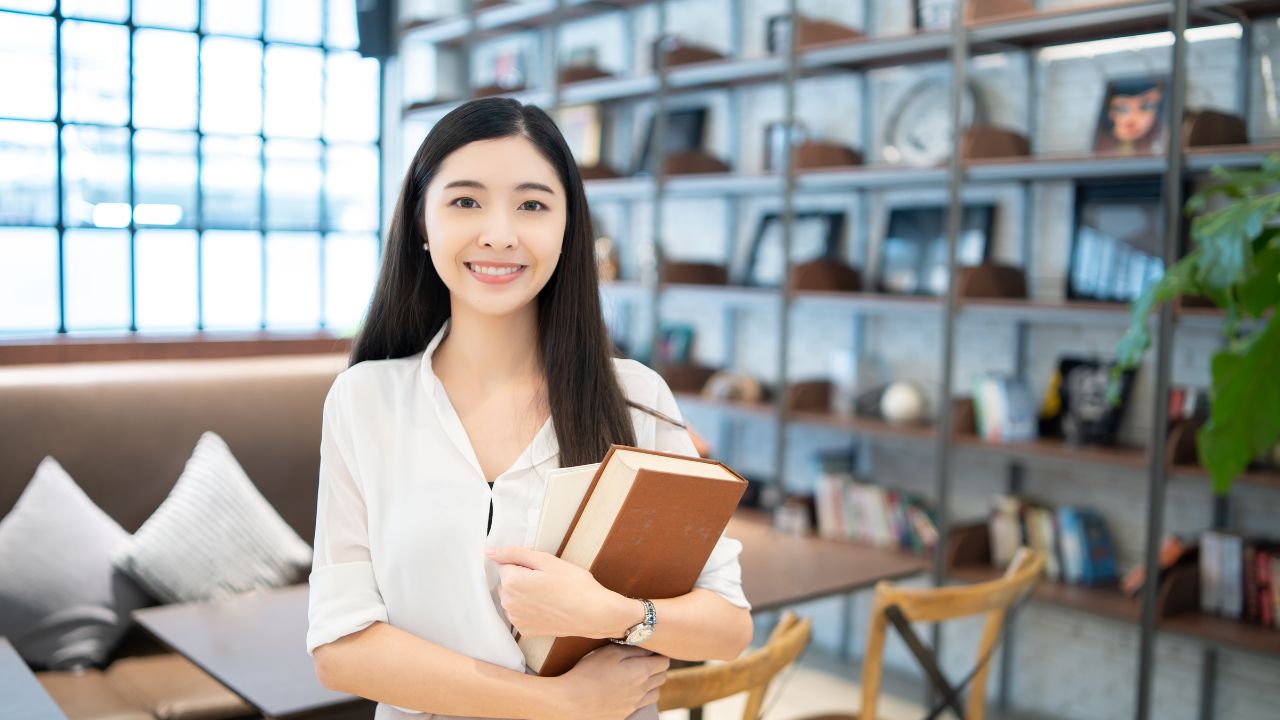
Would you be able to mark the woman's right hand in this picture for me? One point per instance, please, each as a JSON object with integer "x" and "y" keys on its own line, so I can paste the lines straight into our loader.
{"x": 612, "y": 682}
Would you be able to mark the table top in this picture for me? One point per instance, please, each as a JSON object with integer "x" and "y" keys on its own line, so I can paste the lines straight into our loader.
{"x": 22, "y": 697}
{"x": 255, "y": 644}
{"x": 780, "y": 569}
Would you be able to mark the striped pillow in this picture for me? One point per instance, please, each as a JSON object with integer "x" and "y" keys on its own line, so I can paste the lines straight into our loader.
{"x": 214, "y": 535}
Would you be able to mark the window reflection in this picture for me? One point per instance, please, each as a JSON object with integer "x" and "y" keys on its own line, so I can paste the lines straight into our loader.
{"x": 231, "y": 181}
{"x": 354, "y": 82}
{"x": 27, "y": 67}
{"x": 293, "y": 280}
{"x": 28, "y": 280}
{"x": 164, "y": 178}
{"x": 296, "y": 21}
{"x": 177, "y": 14}
{"x": 233, "y": 17}
{"x": 95, "y": 176}
{"x": 97, "y": 277}
{"x": 293, "y": 185}
{"x": 351, "y": 188}
{"x": 95, "y": 73}
{"x": 164, "y": 79}
{"x": 232, "y": 292}
{"x": 28, "y": 173}
{"x": 166, "y": 279}
{"x": 293, "y": 87}
{"x": 111, "y": 10}
{"x": 231, "y": 86}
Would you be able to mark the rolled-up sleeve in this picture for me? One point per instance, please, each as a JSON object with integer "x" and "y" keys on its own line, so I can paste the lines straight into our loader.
{"x": 344, "y": 596}
{"x": 722, "y": 574}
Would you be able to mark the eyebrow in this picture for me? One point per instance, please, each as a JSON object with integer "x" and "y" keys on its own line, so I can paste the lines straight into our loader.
{"x": 519, "y": 188}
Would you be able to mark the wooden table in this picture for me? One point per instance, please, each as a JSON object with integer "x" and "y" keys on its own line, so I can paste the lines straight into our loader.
{"x": 255, "y": 645}
{"x": 21, "y": 695}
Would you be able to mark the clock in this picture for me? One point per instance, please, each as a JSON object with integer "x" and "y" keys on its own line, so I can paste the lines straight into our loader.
{"x": 919, "y": 130}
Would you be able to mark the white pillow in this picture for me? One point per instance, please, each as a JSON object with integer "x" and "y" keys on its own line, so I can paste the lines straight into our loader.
{"x": 61, "y": 603}
{"x": 214, "y": 535}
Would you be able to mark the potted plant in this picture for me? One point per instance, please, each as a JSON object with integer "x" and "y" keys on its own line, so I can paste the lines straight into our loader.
{"x": 1235, "y": 263}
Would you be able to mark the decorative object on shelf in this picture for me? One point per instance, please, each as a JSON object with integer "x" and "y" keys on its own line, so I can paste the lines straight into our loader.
{"x": 431, "y": 74}
{"x": 933, "y": 14}
{"x": 982, "y": 142}
{"x": 606, "y": 252}
{"x": 913, "y": 256}
{"x": 776, "y": 140}
{"x": 675, "y": 344}
{"x": 811, "y": 32}
{"x": 582, "y": 64}
{"x": 936, "y": 15}
{"x": 733, "y": 386}
{"x": 794, "y": 516}
{"x": 1174, "y": 552}
{"x": 820, "y": 154}
{"x": 486, "y": 4}
{"x": 991, "y": 280}
{"x": 1234, "y": 261}
{"x": 919, "y": 131}
{"x": 507, "y": 72}
{"x": 694, "y": 273}
{"x": 1115, "y": 250}
{"x": 826, "y": 274}
{"x": 1208, "y": 128}
{"x": 687, "y": 378}
{"x": 683, "y": 132}
{"x": 674, "y": 50}
{"x": 1002, "y": 409}
{"x": 692, "y": 162}
{"x": 1076, "y": 406}
{"x": 809, "y": 396}
{"x": 902, "y": 403}
{"x": 814, "y": 235}
{"x": 1131, "y": 119}
{"x": 583, "y": 130}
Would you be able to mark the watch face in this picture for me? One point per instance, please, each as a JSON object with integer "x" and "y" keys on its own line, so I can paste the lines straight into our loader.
{"x": 919, "y": 131}
{"x": 639, "y": 634}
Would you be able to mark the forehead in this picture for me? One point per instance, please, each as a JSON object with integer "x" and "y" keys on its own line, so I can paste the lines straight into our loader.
{"x": 500, "y": 163}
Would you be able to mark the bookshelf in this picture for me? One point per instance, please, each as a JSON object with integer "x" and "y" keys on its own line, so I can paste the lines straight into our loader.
{"x": 1025, "y": 33}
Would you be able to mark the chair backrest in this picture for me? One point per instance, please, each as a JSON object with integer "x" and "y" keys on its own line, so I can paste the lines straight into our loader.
{"x": 992, "y": 599}
{"x": 751, "y": 673}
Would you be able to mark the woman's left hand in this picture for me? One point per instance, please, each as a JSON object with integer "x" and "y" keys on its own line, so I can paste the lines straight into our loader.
{"x": 543, "y": 595}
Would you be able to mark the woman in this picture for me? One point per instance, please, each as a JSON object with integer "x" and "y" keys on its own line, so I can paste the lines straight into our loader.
{"x": 484, "y": 364}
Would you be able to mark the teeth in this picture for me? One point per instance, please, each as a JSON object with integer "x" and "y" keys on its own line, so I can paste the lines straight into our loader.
{"x": 494, "y": 270}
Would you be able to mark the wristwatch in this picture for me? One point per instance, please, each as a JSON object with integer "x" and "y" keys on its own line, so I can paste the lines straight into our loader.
{"x": 641, "y": 631}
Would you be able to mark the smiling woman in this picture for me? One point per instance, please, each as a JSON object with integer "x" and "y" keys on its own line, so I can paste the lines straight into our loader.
{"x": 484, "y": 364}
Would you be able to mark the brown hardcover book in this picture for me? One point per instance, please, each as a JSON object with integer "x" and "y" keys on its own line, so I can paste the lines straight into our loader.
{"x": 645, "y": 529}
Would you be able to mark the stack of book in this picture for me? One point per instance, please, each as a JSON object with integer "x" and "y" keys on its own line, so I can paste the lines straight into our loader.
{"x": 1002, "y": 409}
{"x": 1240, "y": 578}
{"x": 1075, "y": 541}
{"x": 852, "y": 510}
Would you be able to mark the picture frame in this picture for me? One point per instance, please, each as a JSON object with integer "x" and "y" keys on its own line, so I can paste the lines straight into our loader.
{"x": 913, "y": 254}
{"x": 931, "y": 15}
{"x": 684, "y": 132}
{"x": 675, "y": 344}
{"x": 583, "y": 130}
{"x": 1131, "y": 118}
{"x": 814, "y": 235}
{"x": 1116, "y": 240}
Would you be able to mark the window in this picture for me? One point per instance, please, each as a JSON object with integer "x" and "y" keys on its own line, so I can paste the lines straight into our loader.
{"x": 197, "y": 165}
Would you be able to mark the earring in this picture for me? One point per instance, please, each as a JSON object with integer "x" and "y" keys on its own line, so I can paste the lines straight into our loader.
{"x": 424, "y": 247}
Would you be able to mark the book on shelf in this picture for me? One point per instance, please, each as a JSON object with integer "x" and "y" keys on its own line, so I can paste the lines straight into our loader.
{"x": 1002, "y": 409}
{"x": 1238, "y": 577}
{"x": 863, "y": 512}
{"x": 1075, "y": 541}
{"x": 644, "y": 526}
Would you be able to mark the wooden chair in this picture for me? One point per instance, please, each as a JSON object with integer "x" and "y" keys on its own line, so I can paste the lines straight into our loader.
{"x": 693, "y": 687}
{"x": 899, "y": 606}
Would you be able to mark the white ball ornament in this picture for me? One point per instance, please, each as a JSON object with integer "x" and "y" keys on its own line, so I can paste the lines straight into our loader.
{"x": 902, "y": 403}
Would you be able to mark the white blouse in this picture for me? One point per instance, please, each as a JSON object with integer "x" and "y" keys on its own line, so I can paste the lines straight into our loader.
{"x": 403, "y": 510}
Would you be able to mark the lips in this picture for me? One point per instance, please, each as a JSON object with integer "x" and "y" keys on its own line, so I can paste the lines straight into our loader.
{"x": 495, "y": 272}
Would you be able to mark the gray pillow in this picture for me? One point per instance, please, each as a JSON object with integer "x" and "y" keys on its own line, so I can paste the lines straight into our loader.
{"x": 214, "y": 535}
{"x": 62, "y": 604}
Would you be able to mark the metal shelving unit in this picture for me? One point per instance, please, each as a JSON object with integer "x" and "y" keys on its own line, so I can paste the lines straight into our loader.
{"x": 1024, "y": 33}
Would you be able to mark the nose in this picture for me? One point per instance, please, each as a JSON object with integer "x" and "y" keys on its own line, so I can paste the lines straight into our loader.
{"x": 499, "y": 233}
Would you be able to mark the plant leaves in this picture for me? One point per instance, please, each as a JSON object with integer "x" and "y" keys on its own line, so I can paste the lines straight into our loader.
{"x": 1245, "y": 411}
{"x": 1226, "y": 238}
{"x": 1262, "y": 290}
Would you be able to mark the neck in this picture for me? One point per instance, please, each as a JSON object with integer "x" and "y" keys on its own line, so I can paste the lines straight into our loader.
{"x": 491, "y": 349}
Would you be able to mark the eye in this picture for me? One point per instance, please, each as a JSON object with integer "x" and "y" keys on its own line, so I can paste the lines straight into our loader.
{"x": 465, "y": 202}
{"x": 536, "y": 205}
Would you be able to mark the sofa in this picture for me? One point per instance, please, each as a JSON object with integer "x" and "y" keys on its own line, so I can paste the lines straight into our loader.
{"x": 123, "y": 431}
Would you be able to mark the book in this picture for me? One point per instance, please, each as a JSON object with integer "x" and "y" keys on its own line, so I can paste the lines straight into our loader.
{"x": 644, "y": 528}
{"x": 1005, "y": 530}
{"x": 565, "y": 489}
{"x": 1099, "y": 553}
{"x": 1070, "y": 539}
{"x": 1231, "y": 579}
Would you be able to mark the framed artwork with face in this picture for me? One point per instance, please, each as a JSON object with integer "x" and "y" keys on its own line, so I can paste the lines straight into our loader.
{"x": 1131, "y": 119}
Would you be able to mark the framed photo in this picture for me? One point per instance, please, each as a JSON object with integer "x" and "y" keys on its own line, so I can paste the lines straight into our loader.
{"x": 675, "y": 344}
{"x": 684, "y": 131}
{"x": 913, "y": 256}
{"x": 933, "y": 14}
{"x": 582, "y": 127}
{"x": 1115, "y": 246}
{"x": 813, "y": 235}
{"x": 510, "y": 69}
{"x": 1131, "y": 119}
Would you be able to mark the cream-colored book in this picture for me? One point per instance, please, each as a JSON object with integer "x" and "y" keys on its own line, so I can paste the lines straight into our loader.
{"x": 565, "y": 489}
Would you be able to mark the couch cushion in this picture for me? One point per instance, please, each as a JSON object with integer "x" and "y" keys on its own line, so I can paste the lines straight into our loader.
{"x": 215, "y": 535}
{"x": 173, "y": 688}
{"x": 87, "y": 695}
{"x": 62, "y": 604}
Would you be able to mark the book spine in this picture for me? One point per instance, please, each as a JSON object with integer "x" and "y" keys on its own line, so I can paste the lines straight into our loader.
{"x": 1231, "y": 581}
{"x": 1210, "y": 572}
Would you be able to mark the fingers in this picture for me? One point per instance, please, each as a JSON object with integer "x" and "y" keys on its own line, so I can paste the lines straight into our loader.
{"x": 516, "y": 555}
{"x": 655, "y": 681}
{"x": 649, "y": 698}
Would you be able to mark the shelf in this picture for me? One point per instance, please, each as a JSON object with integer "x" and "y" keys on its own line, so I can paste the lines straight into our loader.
{"x": 869, "y": 176}
{"x": 1225, "y": 632}
{"x": 623, "y": 188}
{"x": 1198, "y": 160}
{"x": 1059, "y": 450}
{"x": 729, "y": 294}
{"x": 608, "y": 88}
{"x": 867, "y": 301}
{"x": 760, "y": 410}
{"x": 625, "y": 290}
{"x": 863, "y": 426}
{"x": 715, "y": 184}
{"x": 1259, "y": 478}
{"x": 505, "y": 18}
{"x": 875, "y": 51}
{"x": 730, "y": 71}
{"x": 1039, "y": 311}
{"x": 1106, "y": 601}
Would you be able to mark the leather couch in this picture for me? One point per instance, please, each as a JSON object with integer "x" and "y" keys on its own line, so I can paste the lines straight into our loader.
{"x": 123, "y": 431}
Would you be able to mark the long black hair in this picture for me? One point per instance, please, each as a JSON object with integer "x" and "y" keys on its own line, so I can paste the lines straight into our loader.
{"x": 411, "y": 303}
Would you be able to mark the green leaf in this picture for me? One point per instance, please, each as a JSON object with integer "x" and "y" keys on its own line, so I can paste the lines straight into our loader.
{"x": 1245, "y": 412}
{"x": 1226, "y": 238}
{"x": 1261, "y": 291}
